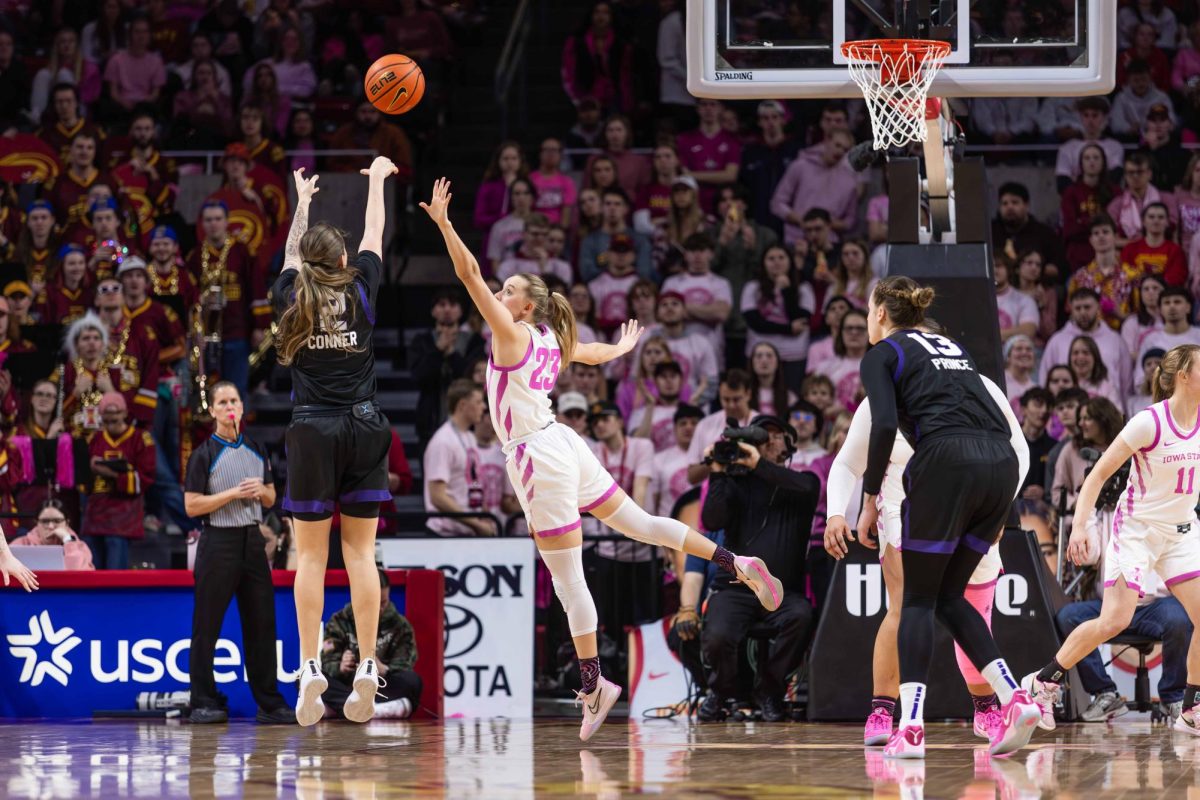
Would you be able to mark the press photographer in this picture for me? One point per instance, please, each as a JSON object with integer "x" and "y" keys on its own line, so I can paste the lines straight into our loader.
{"x": 766, "y": 510}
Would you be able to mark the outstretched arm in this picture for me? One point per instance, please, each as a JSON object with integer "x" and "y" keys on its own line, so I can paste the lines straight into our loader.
{"x": 601, "y": 352}
{"x": 305, "y": 189}
{"x": 372, "y": 240}
{"x": 505, "y": 332}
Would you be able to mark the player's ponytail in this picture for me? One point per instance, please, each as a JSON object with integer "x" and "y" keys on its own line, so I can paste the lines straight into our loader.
{"x": 904, "y": 299}
{"x": 554, "y": 310}
{"x": 320, "y": 289}
{"x": 1177, "y": 360}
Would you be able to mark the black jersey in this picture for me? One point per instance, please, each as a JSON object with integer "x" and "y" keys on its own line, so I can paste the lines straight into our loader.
{"x": 337, "y": 368}
{"x": 924, "y": 384}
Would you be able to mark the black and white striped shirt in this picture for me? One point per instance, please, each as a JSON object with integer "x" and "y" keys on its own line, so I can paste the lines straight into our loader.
{"x": 218, "y": 465}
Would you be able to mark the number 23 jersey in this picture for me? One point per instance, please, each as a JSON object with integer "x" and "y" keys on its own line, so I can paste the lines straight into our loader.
{"x": 1162, "y": 482}
{"x": 519, "y": 395}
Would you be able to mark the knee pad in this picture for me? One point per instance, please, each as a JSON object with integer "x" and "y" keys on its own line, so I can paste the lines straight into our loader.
{"x": 566, "y": 572}
{"x": 631, "y": 520}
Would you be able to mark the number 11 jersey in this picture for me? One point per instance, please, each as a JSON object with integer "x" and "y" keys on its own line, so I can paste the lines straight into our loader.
{"x": 519, "y": 395}
{"x": 1162, "y": 482}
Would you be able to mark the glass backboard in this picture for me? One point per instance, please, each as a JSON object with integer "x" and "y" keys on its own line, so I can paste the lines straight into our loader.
{"x": 787, "y": 48}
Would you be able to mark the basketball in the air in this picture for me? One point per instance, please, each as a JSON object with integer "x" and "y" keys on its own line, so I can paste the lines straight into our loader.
{"x": 394, "y": 84}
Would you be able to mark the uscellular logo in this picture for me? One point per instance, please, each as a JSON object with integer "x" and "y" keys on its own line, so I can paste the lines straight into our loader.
{"x": 25, "y": 646}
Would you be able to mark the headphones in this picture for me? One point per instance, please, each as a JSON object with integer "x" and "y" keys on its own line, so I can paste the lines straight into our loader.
{"x": 789, "y": 433}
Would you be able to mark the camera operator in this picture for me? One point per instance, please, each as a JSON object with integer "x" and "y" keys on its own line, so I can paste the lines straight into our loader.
{"x": 766, "y": 510}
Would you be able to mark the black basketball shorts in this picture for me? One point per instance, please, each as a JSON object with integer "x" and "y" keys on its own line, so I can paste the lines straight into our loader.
{"x": 336, "y": 456}
{"x": 958, "y": 488}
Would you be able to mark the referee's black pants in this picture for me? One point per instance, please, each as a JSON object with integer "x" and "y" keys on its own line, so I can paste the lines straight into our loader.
{"x": 233, "y": 562}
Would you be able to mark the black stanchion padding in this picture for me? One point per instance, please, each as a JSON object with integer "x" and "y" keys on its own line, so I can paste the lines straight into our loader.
{"x": 840, "y": 661}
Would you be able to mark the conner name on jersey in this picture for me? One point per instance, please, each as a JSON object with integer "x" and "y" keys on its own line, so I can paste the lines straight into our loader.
{"x": 342, "y": 340}
{"x": 951, "y": 363}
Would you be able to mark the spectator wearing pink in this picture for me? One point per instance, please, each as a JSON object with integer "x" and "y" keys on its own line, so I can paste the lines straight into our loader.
{"x": 877, "y": 219}
{"x": 1093, "y": 120}
{"x": 491, "y": 198}
{"x": 52, "y": 529}
{"x": 506, "y": 234}
{"x": 1185, "y": 72}
{"x": 556, "y": 191}
{"x": 597, "y": 63}
{"x": 1146, "y": 317}
{"x": 136, "y": 74}
{"x": 633, "y": 169}
{"x": 66, "y": 65}
{"x": 1175, "y": 305}
{"x": 1031, "y": 283}
{"x": 1090, "y": 373}
{"x": 640, "y": 390}
{"x": 1126, "y": 208}
{"x": 710, "y": 153}
{"x": 1187, "y": 200}
{"x": 203, "y": 106}
{"x": 770, "y": 393}
{"x": 642, "y": 303}
{"x": 818, "y": 178}
{"x": 708, "y": 298}
{"x": 628, "y": 460}
{"x": 693, "y": 352}
{"x": 1143, "y": 48}
{"x": 821, "y": 349}
{"x": 294, "y": 73}
{"x": 669, "y": 470}
{"x": 1086, "y": 320}
{"x": 1018, "y": 312}
{"x": 653, "y": 419}
{"x": 653, "y": 204}
{"x": 776, "y": 305}
{"x": 611, "y": 289}
{"x": 202, "y": 51}
{"x": 1020, "y": 358}
{"x": 852, "y": 276}
{"x": 451, "y": 465}
{"x": 848, "y": 351}
{"x": 529, "y": 253}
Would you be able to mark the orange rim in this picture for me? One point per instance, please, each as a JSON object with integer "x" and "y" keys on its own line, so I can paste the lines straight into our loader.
{"x": 885, "y": 51}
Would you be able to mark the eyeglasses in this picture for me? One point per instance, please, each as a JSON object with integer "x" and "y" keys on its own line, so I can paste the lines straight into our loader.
{"x": 108, "y": 289}
{"x": 51, "y": 522}
{"x": 803, "y": 416}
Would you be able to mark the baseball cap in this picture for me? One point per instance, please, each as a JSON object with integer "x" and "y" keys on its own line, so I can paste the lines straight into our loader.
{"x": 672, "y": 295}
{"x": 112, "y": 401}
{"x": 1153, "y": 352}
{"x": 237, "y": 150}
{"x": 620, "y": 243}
{"x": 1158, "y": 111}
{"x": 130, "y": 264}
{"x": 686, "y": 180}
{"x": 571, "y": 401}
{"x": 163, "y": 232}
{"x": 603, "y": 408}
{"x": 17, "y": 287}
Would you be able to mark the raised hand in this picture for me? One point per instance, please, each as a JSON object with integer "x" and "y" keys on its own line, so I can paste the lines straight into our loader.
{"x": 631, "y": 331}
{"x": 438, "y": 207}
{"x": 381, "y": 167}
{"x": 305, "y": 187}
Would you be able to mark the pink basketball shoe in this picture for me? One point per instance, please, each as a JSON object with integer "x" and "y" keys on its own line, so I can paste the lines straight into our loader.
{"x": 878, "y": 729}
{"x": 1019, "y": 718}
{"x": 907, "y": 742}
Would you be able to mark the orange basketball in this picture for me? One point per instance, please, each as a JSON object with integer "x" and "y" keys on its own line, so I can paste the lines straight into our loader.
{"x": 394, "y": 84}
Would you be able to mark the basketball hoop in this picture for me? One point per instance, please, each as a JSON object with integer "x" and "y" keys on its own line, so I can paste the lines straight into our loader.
{"x": 895, "y": 76}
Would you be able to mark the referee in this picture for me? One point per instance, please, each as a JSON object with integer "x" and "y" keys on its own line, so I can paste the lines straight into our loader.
{"x": 228, "y": 483}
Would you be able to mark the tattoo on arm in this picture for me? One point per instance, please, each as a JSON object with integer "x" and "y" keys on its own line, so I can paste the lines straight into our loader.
{"x": 291, "y": 251}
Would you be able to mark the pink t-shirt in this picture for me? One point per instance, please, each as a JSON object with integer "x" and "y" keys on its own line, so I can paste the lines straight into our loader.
{"x": 701, "y": 290}
{"x": 819, "y": 352}
{"x": 632, "y": 461}
{"x": 790, "y": 347}
{"x": 696, "y": 358}
{"x": 843, "y": 371}
{"x": 1189, "y": 217}
{"x": 493, "y": 477}
{"x": 518, "y": 263}
{"x": 451, "y": 456}
{"x": 662, "y": 428}
{"x": 668, "y": 478}
{"x": 1016, "y": 308}
{"x": 138, "y": 77}
{"x": 555, "y": 192}
{"x": 611, "y": 296}
{"x": 700, "y": 153}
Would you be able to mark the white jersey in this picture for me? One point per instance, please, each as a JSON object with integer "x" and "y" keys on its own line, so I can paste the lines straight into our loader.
{"x": 519, "y": 396}
{"x": 1162, "y": 482}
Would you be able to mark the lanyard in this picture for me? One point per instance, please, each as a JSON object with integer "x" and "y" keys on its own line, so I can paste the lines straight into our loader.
{"x": 471, "y": 454}
{"x": 620, "y": 476}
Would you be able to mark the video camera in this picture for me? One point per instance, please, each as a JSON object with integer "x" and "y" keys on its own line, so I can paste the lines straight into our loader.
{"x": 726, "y": 452}
{"x": 1114, "y": 487}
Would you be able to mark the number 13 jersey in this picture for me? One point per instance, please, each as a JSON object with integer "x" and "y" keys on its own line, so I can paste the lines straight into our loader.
{"x": 1162, "y": 482}
{"x": 519, "y": 396}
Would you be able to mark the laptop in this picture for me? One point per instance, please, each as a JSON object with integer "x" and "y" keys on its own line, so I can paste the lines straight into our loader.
{"x": 41, "y": 557}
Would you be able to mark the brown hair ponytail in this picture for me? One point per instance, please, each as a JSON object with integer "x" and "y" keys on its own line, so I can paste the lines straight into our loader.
{"x": 904, "y": 299}
{"x": 320, "y": 291}
{"x": 554, "y": 310}
{"x": 1178, "y": 359}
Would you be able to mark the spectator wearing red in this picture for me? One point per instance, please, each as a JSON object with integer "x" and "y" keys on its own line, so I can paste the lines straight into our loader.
{"x": 765, "y": 161}
{"x": 132, "y": 354}
{"x": 66, "y": 65}
{"x": 369, "y": 131}
{"x": 65, "y": 122}
{"x": 67, "y": 194}
{"x": 632, "y": 169}
{"x": 122, "y": 460}
{"x": 1126, "y": 208}
{"x": 135, "y": 74}
{"x": 36, "y": 248}
{"x": 250, "y": 213}
{"x": 1082, "y": 201}
{"x": 170, "y": 284}
{"x": 160, "y": 321}
{"x": 653, "y": 204}
{"x": 294, "y": 72}
{"x": 105, "y": 245}
{"x": 400, "y": 481}
{"x": 203, "y": 109}
{"x": 709, "y": 153}
{"x": 1134, "y": 101}
{"x": 1015, "y": 230}
{"x": 598, "y": 63}
{"x": 1086, "y": 319}
{"x": 1143, "y": 48}
{"x": 14, "y": 83}
{"x": 556, "y": 191}
{"x": 69, "y": 292}
{"x": 10, "y": 343}
{"x": 21, "y": 311}
{"x": 1093, "y": 120}
{"x": 819, "y": 177}
{"x": 1112, "y": 278}
{"x": 252, "y": 122}
{"x": 53, "y": 529}
{"x": 1175, "y": 306}
{"x": 168, "y": 34}
{"x": 1153, "y": 253}
{"x": 147, "y": 182}
{"x": 228, "y": 278}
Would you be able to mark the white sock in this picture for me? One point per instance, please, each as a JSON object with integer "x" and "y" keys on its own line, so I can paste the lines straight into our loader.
{"x": 1000, "y": 678}
{"x": 912, "y": 704}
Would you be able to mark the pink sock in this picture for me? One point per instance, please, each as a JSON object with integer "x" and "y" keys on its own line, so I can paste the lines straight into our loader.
{"x": 980, "y": 597}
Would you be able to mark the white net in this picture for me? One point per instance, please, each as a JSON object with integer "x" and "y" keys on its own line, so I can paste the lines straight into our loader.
{"x": 895, "y": 76}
